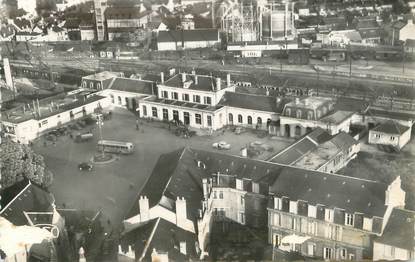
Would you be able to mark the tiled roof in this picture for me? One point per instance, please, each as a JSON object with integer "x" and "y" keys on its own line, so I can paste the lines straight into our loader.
{"x": 204, "y": 83}
{"x": 391, "y": 127}
{"x": 399, "y": 230}
{"x": 24, "y": 196}
{"x": 177, "y": 174}
{"x": 253, "y": 102}
{"x": 188, "y": 35}
{"x": 163, "y": 236}
{"x": 132, "y": 85}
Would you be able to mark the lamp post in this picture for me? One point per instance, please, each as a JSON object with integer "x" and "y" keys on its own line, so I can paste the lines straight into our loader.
{"x": 100, "y": 123}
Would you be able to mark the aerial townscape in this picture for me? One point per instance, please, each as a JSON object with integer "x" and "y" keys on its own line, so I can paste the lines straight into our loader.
{"x": 207, "y": 130}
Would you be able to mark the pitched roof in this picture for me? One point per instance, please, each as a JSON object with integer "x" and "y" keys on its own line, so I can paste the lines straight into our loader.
{"x": 188, "y": 35}
{"x": 121, "y": 12}
{"x": 163, "y": 236}
{"x": 24, "y": 196}
{"x": 399, "y": 230}
{"x": 132, "y": 85}
{"x": 253, "y": 102}
{"x": 204, "y": 83}
{"x": 391, "y": 127}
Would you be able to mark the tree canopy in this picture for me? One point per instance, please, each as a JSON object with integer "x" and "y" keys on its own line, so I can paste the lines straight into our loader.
{"x": 18, "y": 162}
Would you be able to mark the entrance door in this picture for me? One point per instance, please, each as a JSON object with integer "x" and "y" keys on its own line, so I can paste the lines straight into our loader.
{"x": 186, "y": 118}
{"x": 176, "y": 115}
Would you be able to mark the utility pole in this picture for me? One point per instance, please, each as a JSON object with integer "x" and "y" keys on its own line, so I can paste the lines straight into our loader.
{"x": 100, "y": 123}
{"x": 350, "y": 61}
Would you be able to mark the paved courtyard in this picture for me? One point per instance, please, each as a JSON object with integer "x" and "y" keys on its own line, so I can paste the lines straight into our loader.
{"x": 112, "y": 187}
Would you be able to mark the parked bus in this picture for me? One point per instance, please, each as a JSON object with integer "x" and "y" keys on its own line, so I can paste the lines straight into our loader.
{"x": 118, "y": 147}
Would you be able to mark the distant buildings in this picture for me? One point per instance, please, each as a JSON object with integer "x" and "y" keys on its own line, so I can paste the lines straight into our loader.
{"x": 390, "y": 133}
{"x": 187, "y": 39}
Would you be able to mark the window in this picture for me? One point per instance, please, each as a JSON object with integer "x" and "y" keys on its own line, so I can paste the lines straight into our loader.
{"x": 112, "y": 99}
{"x": 215, "y": 195}
{"x": 259, "y": 121}
{"x": 84, "y": 84}
{"x": 98, "y": 86}
{"x": 277, "y": 203}
{"x": 249, "y": 120}
{"x": 349, "y": 219}
{"x": 119, "y": 100}
{"x": 311, "y": 249}
{"x": 329, "y": 213}
{"x": 312, "y": 211}
{"x": 293, "y": 223}
{"x": 392, "y": 138}
{"x": 293, "y": 207}
{"x": 298, "y": 114}
{"x": 230, "y": 118}
{"x": 198, "y": 119}
{"x": 176, "y": 115}
{"x": 327, "y": 253}
{"x": 255, "y": 187}
{"x": 276, "y": 219}
{"x": 240, "y": 119}
{"x": 174, "y": 95}
{"x": 44, "y": 122}
{"x": 91, "y": 85}
{"x": 312, "y": 228}
{"x": 220, "y": 194}
{"x": 144, "y": 110}
{"x": 242, "y": 201}
{"x": 164, "y": 94}
{"x": 209, "y": 120}
{"x": 165, "y": 114}
{"x": 207, "y": 100}
{"x": 239, "y": 184}
{"x": 242, "y": 218}
{"x": 377, "y": 135}
{"x": 343, "y": 253}
{"x": 196, "y": 98}
{"x": 367, "y": 224}
{"x": 310, "y": 115}
{"x": 318, "y": 114}
{"x": 288, "y": 112}
{"x": 154, "y": 111}
{"x": 185, "y": 97}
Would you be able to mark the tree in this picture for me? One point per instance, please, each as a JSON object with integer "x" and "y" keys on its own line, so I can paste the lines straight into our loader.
{"x": 19, "y": 162}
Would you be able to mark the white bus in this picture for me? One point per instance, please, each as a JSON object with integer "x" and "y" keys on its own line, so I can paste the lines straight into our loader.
{"x": 112, "y": 146}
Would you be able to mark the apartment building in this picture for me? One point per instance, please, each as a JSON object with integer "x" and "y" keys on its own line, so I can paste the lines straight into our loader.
{"x": 315, "y": 213}
{"x": 330, "y": 216}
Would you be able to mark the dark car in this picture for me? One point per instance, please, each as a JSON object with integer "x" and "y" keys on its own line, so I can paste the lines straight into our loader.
{"x": 84, "y": 166}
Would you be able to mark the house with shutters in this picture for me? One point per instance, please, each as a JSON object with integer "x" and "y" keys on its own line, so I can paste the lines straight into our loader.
{"x": 318, "y": 214}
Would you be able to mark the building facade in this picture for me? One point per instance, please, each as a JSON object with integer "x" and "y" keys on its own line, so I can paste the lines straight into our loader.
{"x": 390, "y": 133}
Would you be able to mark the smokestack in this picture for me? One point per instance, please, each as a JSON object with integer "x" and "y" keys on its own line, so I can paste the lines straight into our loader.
{"x": 228, "y": 79}
{"x": 8, "y": 74}
{"x": 183, "y": 77}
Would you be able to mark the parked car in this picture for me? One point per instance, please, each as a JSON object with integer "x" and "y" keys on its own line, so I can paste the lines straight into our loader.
{"x": 221, "y": 145}
{"x": 83, "y": 137}
{"x": 84, "y": 166}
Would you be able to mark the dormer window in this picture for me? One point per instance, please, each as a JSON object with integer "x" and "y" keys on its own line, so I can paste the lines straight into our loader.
{"x": 310, "y": 115}
{"x": 298, "y": 113}
{"x": 349, "y": 221}
{"x": 239, "y": 184}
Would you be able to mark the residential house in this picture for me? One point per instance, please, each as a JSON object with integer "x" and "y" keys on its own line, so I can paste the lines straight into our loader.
{"x": 398, "y": 238}
{"x": 390, "y": 133}
{"x": 187, "y": 39}
{"x": 407, "y": 32}
{"x": 342, "y": 38}
{"x": 319, "y": 151}
{"x": 369, "y": 30}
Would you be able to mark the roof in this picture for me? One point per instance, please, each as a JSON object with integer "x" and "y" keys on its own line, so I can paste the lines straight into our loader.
{"x": 253, "y": 102}
{"x": 188, "y": 35}
{"x": 123, "y": 12}
{"x": 102, "y": 75}
{"x": 163, "y": 236}
{"x": 391, "y": 127}
{"x": 309, "y": 102}
{"x": 191, "y": 105}
{"x": 370, "y": 32}
{"x": 406, "y": 116}
{"x": 314, "y": 149}
{"x": 203, "y": 83}
{"x": 24, "y": 196}
{"x": 132, "y": 85}
{"x": 366, "y": 22}
{"x": 337, "y": 117}
{"x": 399, "y": 230}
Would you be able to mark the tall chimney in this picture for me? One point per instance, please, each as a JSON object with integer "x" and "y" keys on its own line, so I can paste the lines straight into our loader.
{"x": 183, "y": 77}
{"x": 218, "y": 87}
{"x": 181, "y": 212}
{"x": 228, "y": 80}
{"x": 162, "y": 77}
{"x": 144, "y": 208}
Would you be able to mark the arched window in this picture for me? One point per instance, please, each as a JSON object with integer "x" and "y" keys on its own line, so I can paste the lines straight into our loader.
{"x": 240, "y": 119}
{"x": 288, "y": 112}
{"x": 84, "y": 84}
{"x": 99, "y": 86}
{"x": 310, "y": 115}
{"x": 230, "y": 118}
{"x": 318, "y": 114}
{"x": 91, "y": 85}
{"x": 324, "y": 110}
{"x": 298, "y": 113}
{"x": 249, "y": 120}
{"x": 259, "y": 121}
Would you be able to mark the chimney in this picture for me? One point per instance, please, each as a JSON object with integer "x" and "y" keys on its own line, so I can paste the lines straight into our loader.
{"x": 218, "y": 83}
{"x": 181, "y": 212}
{"x": 162, "y": 77}
{"x": 394, "y": 195}
{"x": 228, "y": 80}
{"x": 144, "y": 208}
{"x": 205, "y": 188}
{"x": 183, "y": 77}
